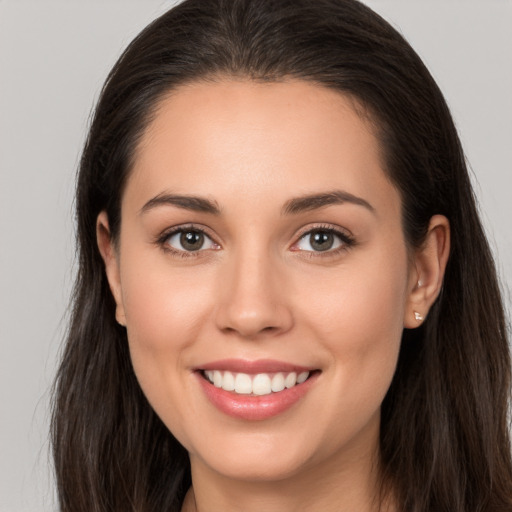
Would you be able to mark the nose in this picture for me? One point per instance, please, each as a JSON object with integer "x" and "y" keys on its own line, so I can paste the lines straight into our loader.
{"x": 253, "y": 297}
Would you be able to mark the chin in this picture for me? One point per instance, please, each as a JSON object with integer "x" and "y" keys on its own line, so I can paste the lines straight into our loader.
{"x": 244, "y": 467}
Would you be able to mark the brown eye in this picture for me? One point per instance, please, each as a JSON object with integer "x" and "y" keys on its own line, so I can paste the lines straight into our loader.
{"x": 321, "y": 240}
{"x": 189, "y": 240}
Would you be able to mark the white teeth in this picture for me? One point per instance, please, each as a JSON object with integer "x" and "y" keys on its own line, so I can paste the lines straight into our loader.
{"x": 217, "y": 379}
{"x": 277, "y": 382}
{"x": 290, "y": 380}
{"x": 243, "y": 384}
{"x": 302, "y": 377}
{"x": 260, "y": 384}
{"x": 229, "y": 382}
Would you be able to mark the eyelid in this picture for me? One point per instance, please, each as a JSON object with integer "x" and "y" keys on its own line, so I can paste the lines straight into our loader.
{"x": 345, "y": 236}
{"x": 162, "y": 239}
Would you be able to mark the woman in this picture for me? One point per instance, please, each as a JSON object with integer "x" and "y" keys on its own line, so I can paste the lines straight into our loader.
{"x": 285, "y": 298}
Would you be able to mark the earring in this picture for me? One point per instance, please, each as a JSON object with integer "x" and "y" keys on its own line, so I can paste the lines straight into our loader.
{"x": 418, "y": 317}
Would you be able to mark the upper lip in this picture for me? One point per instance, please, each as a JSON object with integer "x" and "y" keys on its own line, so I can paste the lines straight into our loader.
{"x": 254, "y": 367}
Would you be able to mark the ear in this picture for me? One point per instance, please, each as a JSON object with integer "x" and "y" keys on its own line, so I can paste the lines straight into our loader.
{"x": 110, "y": 258}
{"x": 427, "y": 271}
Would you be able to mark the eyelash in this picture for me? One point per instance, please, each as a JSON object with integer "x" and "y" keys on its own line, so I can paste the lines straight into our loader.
{"x": 347, "y": 241}
{"x": 163, "y": 239}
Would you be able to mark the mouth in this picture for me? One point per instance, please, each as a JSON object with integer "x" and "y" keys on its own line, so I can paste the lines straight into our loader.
{"x": 256, "y": 385}
{"x": 255, "y": 390}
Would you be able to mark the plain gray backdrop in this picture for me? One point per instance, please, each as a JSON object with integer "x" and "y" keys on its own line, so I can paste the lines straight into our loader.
{"x": 54, "y": 56}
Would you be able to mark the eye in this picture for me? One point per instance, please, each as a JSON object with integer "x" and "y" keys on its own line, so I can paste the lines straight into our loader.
{"x": 323, "y": 240}
{"x": 189, "y": 240}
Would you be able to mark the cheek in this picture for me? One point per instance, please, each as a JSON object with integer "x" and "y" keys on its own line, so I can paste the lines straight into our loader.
{"x": 165, "y": 310}
{"x": 367, "y": 296}
{"x": 357, "y": 314}
{"x": 163, "y": 305}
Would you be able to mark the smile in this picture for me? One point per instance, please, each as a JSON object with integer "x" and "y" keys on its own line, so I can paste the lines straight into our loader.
{"x": 256, "y": 390}
{"x": 258, "y": 385}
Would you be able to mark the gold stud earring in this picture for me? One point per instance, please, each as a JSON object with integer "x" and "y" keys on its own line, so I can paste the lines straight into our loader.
{"x": 418, "y": 316}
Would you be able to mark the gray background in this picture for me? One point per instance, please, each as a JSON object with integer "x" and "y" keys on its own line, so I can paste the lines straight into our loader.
{"x": 54, "y": 56}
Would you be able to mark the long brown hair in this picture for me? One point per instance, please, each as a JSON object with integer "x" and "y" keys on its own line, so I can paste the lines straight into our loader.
{"x": 445, "y": 442}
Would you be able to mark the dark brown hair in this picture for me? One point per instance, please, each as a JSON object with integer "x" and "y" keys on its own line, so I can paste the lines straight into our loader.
{"x": 444, "y": 433}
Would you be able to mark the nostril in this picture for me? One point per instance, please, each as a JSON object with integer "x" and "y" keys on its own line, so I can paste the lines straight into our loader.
{"x": 251, "y": 319}
{"x": 251, "y": 332}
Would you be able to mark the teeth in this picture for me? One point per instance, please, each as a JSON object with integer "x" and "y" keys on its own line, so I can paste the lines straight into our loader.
{"x": 260, "y": 384}
{"x": 228, "y": 382}
{"x": 243, "y": 384}
{"x": 290, "y": 380}
{"x": 217, "y": 379}
{"x": 302, "y": 377}
{"x": 277, "y": 382}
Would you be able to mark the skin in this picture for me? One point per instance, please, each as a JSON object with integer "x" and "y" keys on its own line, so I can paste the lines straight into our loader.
{"x": 258, "y": 290}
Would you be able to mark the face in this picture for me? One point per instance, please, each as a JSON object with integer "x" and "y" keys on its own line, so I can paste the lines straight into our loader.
{"x": 263, "y": 277}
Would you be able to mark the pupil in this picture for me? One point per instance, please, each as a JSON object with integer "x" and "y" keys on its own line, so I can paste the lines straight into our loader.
{"x": 322, "y": 240}
{"x": 192, "y": 240}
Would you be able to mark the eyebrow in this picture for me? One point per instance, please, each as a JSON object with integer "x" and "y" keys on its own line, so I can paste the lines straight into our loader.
{"x": 192, "y": 203}
{"x": 291, "y": 207}
{"x": 322, "y": 199}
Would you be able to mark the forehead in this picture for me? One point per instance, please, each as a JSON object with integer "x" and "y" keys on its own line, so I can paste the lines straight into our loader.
{"x": 248, "y": 138}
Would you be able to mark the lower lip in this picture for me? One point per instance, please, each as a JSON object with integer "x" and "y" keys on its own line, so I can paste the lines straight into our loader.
{"x": 251, "y": 407}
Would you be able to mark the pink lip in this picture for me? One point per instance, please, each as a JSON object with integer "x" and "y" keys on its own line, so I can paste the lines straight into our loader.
{"x": 253, "y": 367}
{"x": 251, "y": 407}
